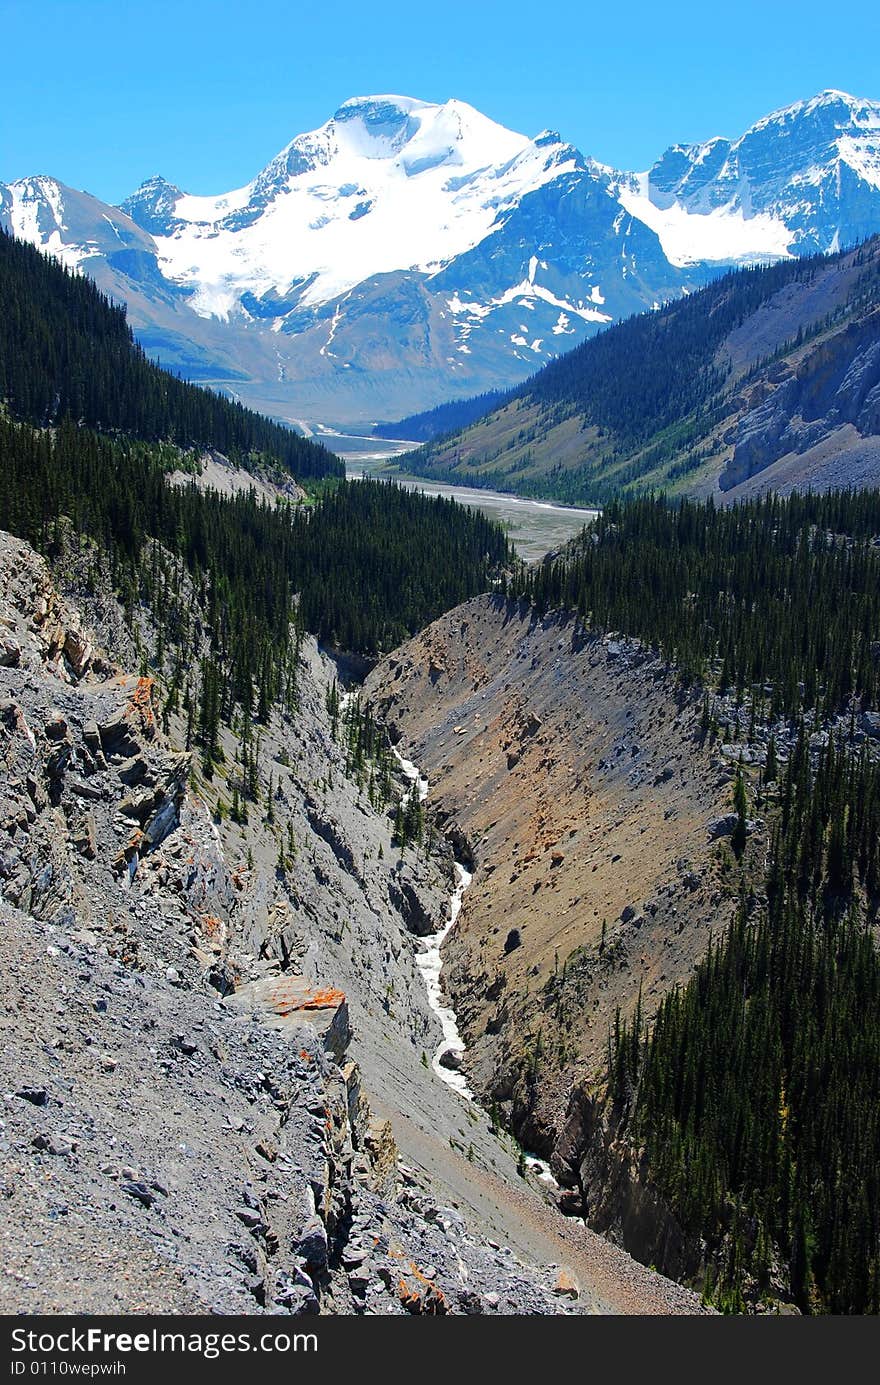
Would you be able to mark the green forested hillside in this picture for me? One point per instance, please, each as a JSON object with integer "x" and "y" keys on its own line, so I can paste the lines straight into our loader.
{"x": 362, "y": 568}
{"x": 778, "y": 599}
{"x": 66, "y": 351}
{"x": 370, "y": 562}
{"x": 756, "y": 1093}
{"x": 654, "y": 402}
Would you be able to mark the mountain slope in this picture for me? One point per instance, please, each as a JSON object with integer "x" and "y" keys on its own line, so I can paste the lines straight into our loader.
{"x": 66, "y": 352}
{"x": 406, "y": 252}
{"x": 212, "y": 875}
{"x": 767, "y": 377}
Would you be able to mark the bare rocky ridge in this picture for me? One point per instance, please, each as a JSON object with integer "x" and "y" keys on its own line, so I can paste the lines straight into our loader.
{"x": 571, "y": 769}
{"x": 194, "y": 1036}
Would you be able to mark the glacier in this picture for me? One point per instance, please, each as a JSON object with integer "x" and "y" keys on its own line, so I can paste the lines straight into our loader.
{"x": 408, "y": 251}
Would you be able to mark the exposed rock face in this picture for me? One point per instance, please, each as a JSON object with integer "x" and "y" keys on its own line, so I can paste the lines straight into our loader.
{"x": 836, "y": 384}
{"x": 165, "y": 1154}
{"x": 39, "y": 629}
{"x": 192, "y": 1001}
{"x": 79, "y": 846}
{"x": 614, "y": 1190}
{"x": 572, "y": 765}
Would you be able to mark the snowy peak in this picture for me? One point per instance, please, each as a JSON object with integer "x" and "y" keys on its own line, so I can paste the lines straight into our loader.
{"x": 398, "y": 135}
{"x": 406, "y": 250}
{"x": 390, "y": 183}
{"x": 830, "y": 109}
{"x": 810, "y": 172}
{"x": 152, "y": 205}
{"x": 413, "y": 135}
{"x": 418, "y": 135}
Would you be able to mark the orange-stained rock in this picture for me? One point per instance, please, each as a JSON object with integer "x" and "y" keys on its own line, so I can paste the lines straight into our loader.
{"x": 566, "y": 1285}
{"x": 286, "y": 1002}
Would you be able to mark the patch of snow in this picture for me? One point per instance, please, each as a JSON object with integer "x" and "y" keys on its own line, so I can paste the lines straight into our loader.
{"x": 723, "y": 234}
{"x": 862, "y": 156}
{"x": 523, "y": 294}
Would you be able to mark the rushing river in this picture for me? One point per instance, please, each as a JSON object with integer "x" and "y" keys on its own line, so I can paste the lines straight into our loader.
{"x": 430, "y": 963}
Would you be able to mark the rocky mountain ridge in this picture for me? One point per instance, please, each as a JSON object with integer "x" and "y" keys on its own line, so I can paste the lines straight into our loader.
{"x": 192, "y": 1028}
{"x": 789, "y": 399}
{"x": 406, "y": 251}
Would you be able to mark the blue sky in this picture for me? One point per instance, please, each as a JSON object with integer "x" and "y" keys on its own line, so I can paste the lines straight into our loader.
{"x": 102, "y": 93}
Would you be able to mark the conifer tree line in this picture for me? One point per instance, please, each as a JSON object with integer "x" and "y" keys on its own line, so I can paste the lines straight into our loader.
{"x": 67, "y": 352}
{"x": 776, "y": 598}
{"x": 369, "y": 564}
{"x": 757, "y": 1092}
{"x": 649, "y": 389}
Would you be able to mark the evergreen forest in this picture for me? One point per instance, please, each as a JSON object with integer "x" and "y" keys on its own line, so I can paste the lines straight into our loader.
{"x": 775, "y": 598}
{"x": 755, "y": 1093}
{"x": 67, "y": 352}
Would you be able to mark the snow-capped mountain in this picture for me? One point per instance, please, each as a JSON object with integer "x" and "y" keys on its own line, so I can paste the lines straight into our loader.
{"x": 407, "y": 251}
{"x": 804, "y": 179}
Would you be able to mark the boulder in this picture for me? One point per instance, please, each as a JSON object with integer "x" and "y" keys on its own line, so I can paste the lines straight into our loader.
{"x": 78, "y": 651}
{"x": 312, "y": 1244}
{"x": 133, "y": 771}
{"x": 722, "y": 827}
{"x": 566, "y": 1285}
{"x": 381, "y": 1150}
{"x": 287, "y": 1002}
{"x": 58, "y": 759}
{"x": 451, "y": 1060}
{"x": 10, "y": 652}
{"x": 117, "y": 736}
{"x": 85, "y": 837}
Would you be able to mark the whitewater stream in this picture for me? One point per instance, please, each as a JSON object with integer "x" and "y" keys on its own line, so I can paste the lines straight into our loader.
{"x": 430, "y": 963}
{"x": 429, "y": 960}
